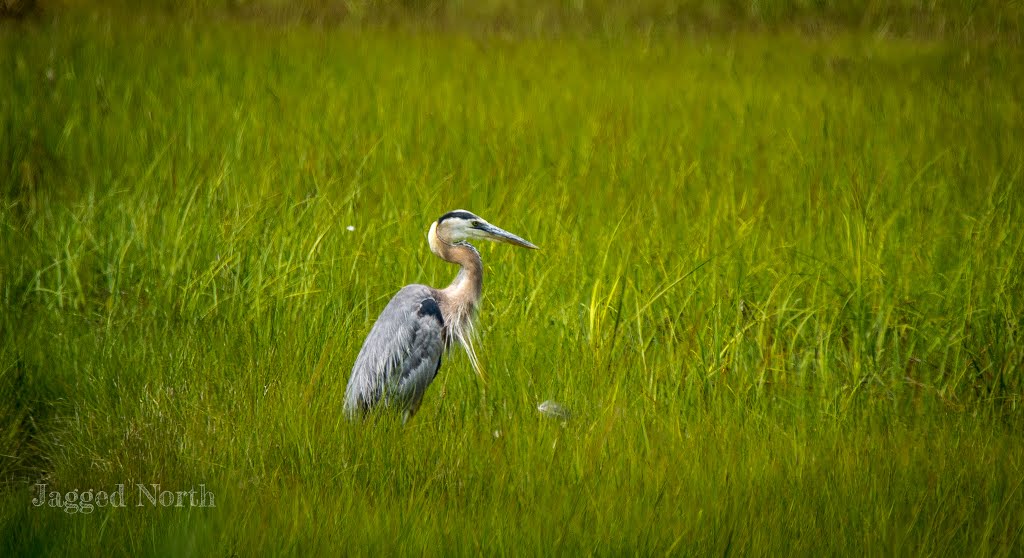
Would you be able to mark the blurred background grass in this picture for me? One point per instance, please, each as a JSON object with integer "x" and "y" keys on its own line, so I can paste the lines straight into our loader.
{"x": 779, "y": 285}
{"x": 935, "y": 19}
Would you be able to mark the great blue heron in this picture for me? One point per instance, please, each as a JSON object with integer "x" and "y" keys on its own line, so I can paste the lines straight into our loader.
{"x": 402, "y": 353}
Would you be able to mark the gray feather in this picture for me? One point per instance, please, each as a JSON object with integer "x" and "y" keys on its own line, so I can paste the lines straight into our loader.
{"x": 401, "y": 355}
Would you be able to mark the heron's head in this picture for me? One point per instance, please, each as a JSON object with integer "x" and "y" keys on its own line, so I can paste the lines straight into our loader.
{"x": 460, "y": 225}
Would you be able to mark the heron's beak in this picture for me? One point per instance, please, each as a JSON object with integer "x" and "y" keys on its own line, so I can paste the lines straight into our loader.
{"x": 501, "y": 235}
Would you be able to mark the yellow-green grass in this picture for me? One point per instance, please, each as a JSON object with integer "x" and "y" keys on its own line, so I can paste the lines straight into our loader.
{"x": 779, "y": 289}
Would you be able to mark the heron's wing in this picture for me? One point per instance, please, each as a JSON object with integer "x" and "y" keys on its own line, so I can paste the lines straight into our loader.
{"x": 402, "y": 353}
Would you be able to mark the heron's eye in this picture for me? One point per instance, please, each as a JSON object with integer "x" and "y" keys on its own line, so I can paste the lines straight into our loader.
{"x": 475, "y": 224}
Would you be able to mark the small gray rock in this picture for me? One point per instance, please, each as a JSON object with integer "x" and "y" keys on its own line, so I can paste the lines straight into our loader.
{"x": 554, "y": 410}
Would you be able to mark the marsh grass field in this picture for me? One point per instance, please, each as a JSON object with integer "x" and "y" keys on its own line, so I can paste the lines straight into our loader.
{"x": 779, "y": 286}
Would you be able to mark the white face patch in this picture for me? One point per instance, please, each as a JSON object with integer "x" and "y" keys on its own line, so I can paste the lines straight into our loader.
{"x": 456, "y": 229}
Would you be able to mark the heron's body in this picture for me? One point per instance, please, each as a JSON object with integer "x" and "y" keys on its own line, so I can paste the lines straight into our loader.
{"x": 402, "y": 353}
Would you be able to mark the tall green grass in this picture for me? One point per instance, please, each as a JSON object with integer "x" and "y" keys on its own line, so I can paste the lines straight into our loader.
{"x": 779, "y": 289}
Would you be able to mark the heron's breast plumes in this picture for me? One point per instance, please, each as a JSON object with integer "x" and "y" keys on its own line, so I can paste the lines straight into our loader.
{"x": 460, "y": 328}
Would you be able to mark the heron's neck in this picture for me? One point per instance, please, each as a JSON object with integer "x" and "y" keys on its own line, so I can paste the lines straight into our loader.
{"x": 464, "y": 292}
{"x": 466, "y": 288}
